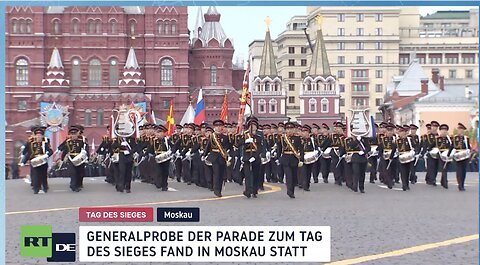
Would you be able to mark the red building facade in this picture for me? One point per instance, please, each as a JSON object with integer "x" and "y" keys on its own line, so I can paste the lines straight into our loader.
{"x": 94, "y": 59}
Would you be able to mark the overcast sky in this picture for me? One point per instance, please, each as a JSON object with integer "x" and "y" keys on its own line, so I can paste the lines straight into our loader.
{"x": 245, "y": 24}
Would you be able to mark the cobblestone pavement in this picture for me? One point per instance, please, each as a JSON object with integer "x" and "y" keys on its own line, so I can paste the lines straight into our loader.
{"x": 379, "y": 221}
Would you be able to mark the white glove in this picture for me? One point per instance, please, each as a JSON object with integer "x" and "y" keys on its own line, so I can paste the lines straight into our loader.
{"x": 101, "y": 149}
{"x": 359, "y": 138}
{"x": 201, "y": 152}
{"x": 268, "y": 156}
{"x": 316, "y": 152}
{"x": 188, "y": 154}
{"x": 126, "y": 152}
{"x": 21, "y": 164}
{"x": 169, "y": 152}
{"x": 202, "y": 158}
{"x": 277, "y": 162}
{"x": 251, "y": 160}
{"x": 361, "y": 153}
{"x": 229, "y": 158}
{"x": 135, "y": 156}
{"x": 124, "y": 144}
{"x": 300, "y": 164}
{"x": 249, "y": 140}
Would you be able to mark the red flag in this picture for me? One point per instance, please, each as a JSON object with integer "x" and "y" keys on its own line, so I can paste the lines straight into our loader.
{"x": 224, "y": 112}
{"x": 170, "y": 120}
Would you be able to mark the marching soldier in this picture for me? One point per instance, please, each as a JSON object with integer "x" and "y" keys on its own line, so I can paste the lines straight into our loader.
{"x": 270, "y": 143}
{"x": 387, "y": 148}
{"x": 253, "y": 147}
{"x": 236, "y": 156}
{"x": 103, "y": 150}
{"x": 432, "y": 157}
{"x": 444, "y": 144}
{"x": 207, "y": 167}
{"x": 37, "y": 150}
{"x": 461, "y": 144}
{"x": 196, "y": 156}
{"x": 161, "y": 147}
{"x": 176, "y": 142}
{"x": 382, "y": 165}
{"x": 187, "y": 150}
{"x": 336, "y": 158}
{"x": 278, "y": 167}
{"x": 416, "y": 144}
{"x": 291, "y": 158}
{"x": 309, "y": 147}
{"x": 373, "y": 155}
{"x": 127, "y": 149}
{"x": 405, "y": 148}
{"x": 216, "y": 149}
{"x": 316, "y": 166}
{"x": 356, "y": 149}
{"x": 324, "y": 142}
{"x": 74, "y": 146}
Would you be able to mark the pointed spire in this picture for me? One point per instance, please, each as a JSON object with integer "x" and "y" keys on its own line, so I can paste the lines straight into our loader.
{"x": 268, "y": 66}
{"x": 319, "y": 65}
{"x": 200, "y": 19}
{"x": 55, "y": 60}
{"x": 131, "y": 60}
{"x": 212, "y": 11}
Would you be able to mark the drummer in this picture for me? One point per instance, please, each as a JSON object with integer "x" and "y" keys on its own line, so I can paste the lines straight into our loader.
{"x": 35, "y": 150}
{"x": 405, "y": 148}
{"x": 461, "y": 143}
{"x": 444, "y": 144}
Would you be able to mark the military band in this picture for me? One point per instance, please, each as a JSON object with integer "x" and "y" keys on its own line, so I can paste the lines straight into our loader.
{"x": 276, "y": 153}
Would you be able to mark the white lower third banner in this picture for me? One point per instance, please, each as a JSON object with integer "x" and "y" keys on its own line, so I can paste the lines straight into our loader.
{"x": 204, "y": 243}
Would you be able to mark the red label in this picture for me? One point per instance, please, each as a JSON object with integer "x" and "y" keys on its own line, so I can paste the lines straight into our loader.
{"x": 115, "y": 214}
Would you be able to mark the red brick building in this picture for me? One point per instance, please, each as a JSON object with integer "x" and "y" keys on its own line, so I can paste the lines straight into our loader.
{"x": 94, "y": 59}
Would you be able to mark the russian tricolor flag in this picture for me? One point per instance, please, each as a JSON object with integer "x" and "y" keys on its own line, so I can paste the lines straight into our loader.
{"x": 199, "y": 109}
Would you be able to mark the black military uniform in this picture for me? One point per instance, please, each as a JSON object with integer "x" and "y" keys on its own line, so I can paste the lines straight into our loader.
{"x": 324, "y": 141}
{"x": 444, "y": 143}
{"x": 270, "y": 143}
{"x": 188, "y": 148}
{"x": 37, "y": 149}
{"x": 216, "y": 149}
{"x": 306, "y": 170}
{"x": 161, "y": 145}
{"x": 461, "y": 143}
{"x": 103, "y": 150}
{"x": 404, "y": 147}
{"x": 208, "y": 172}
{"x": 278, "y": 167}
{"x": 336, "y": 142}
{"x": 357, "y": 149}
{"x": 373, "y": 156}
{"x": 253, "y": 147}
{"x": 317, "y": 165}
{"x": 431, "y": 162}
{"x": 387, "y": 144}
{"x": 127, "y": 148}
{"x": 416, "y": 144}
{"x": 72, "y": 148}
{"x": 176, "y": 142}
{"x": 291, "y": 158}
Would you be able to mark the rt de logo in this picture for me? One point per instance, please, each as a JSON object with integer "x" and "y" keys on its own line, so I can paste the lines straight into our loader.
{"x": 38, "y": 241}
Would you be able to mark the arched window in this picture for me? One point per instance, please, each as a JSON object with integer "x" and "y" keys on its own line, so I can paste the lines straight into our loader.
{"x": 166, "y": 72}
{"x": 267, "y": 86}
{"x": 113, "y": 72}
{"x": 262, "y": 106}
{"x": 324, "y": 102}
{"x": 21, "y": 72}
{"x": 312, "y": 105}
{"x": 213, "y": 75}
{"x": 132, "y": 27}
{"x": 159, "y": 27}
{"x": 113, "y": 27}
{"x": 14, "y": 26}
{"x": 22, "y": 26}
{"x": 91, "y": 26}
{"x": 273, "y": 105}
{"x": 88, "y": 117}
{"x": 174, "y": 27}
{"x": 98, "y": 27}
{"x": 29, "y": 26}
{"x": 308, "y": 86}
{"x": 56, "y": 26}
{"x": 76, "y": 81}
{"x": 94, "y": 73}
{"x": 75, "y": 26}
{"x": 166, "y": 28}
{"x": 99, "y": 117}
